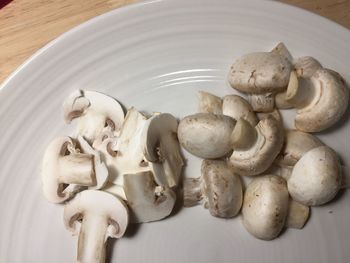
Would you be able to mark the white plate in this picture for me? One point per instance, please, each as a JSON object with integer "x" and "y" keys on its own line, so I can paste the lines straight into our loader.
{"x": 156, "y": 56}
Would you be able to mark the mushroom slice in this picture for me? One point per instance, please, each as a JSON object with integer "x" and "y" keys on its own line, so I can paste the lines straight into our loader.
{"x": 101, "y": 171}
{"x": 63, "y": 164}
{"x": 161, "y": 149}
{"x": 260, "y": 72}
{"x": 316, "y": 178}
{"x": 265, "y": 206}
{"x": 209, "y": 103}
{"x": 147, "y": 201}
{"x": 220, "y": 188}
{"x": 124, "y": 155}
{"x": 96, "y": 112}
{"x": 321, "y": 101}
{"x": 100, "y": 216}
{"x": 206, "y": 135}
{"x": 258, "y": 158}
{"x": 237, "y": 107}
{"x": 296, "y": 144}
{"x": 298, "y": 214}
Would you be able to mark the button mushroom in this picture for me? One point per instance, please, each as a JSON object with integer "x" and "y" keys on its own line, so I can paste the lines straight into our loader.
{"x": 265, "y": 147}
{"x": 298, "y": 214}
{"x": 316, "y": 178}
{"x": 100, "y": 216}
{"x": 209, "y": 103}
{"x": 96, "y": 112}
{"x": 220, "y": 188}
{"x": 320, "y": 101}
{"x": 237, "y": 107}
{"x": 265, "y": 206}
{"x": 296, "y": 144}
{"x": 306, "y": 66}
{"x": 147, "y": 201}
{"x": 66, "y": 170}
{"x": 206, "y": 135}
{"x": 261, "y": 74}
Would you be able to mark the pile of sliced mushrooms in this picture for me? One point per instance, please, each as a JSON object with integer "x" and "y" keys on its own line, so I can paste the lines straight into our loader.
{"x": 121, "y": 168}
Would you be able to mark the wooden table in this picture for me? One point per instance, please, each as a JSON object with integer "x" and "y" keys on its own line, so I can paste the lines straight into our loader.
{"x": 27, "y": 25}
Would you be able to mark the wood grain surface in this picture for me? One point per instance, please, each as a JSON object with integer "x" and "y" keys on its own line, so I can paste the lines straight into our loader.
{"x": 27, "y": 25}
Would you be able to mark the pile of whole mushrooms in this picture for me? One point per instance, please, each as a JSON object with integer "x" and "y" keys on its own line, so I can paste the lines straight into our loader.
{"x": 119, "y": 168}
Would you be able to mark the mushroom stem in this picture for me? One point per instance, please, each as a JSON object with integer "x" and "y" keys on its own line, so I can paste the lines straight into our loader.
{"x": 92, "y": 239}
{"x": 77, "y": 168}
{"x": 243, "y": 135}
{"x": 299, "y": 92}
{"x": 298, "y": 214}
{"x": 262, "y": 102}
{"x": 193, "y": 193}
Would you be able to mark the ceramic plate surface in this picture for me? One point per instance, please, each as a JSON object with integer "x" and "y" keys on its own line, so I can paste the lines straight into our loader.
{"x": 156, "y": 56}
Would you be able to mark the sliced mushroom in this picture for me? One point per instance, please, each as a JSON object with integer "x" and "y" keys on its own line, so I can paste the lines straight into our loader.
{"x": 63, "y": 165}
{"x": 96, "y": 112}
{"x": 219, "y": 188}
{"x": 144, "y": 145}
{"x": 237, "y": 107}
{"x": 321, "y": 101}
{"x": 147, "y": 201}
{"x": 296, "y": 144}
{"x": 161, "y": 149}
{"x": 316, "y": 178}
{"x": 266, "y": 146}
{"x": 100, "y": 216}
{"x": 265, "y": 206}
{"x": 124, "y": 155}
{"x": 206, "y": 135}
{"x": 209, "y": 103}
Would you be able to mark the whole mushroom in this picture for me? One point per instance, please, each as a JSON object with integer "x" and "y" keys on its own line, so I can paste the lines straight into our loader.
{"x": 262, "y": 150}
{"x": 320, "y": 100}
{"x": 316, "y": 178}
{"x": 265, "y": 206}
{"x": 261, "y": 75}
{"x": 218, "y": 187}
{"x": 100, "y": 216}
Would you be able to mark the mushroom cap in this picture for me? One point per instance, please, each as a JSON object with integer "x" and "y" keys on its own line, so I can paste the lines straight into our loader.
{"x": 306, "y": 66}
{"x": 206, "y": 135}
{"x": 265, "y": 206}
{"x": 54, "y": 189}
{"x": 260, "y": 72}
{"x": 222, "y": 188}
{"x": 161, "y": 148}
{"x": 147, "y": 201}
{"x": 100, "y": 204}
{"x": 316, "y": 178}
{"x": 237, "y": 107}
{"x": 95, "y": 110}
{"x": 331, "y": 98}
{"x": 209, "y": 103}
{"x": 260, "y": 156}
{"x": 296, "y": 144}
